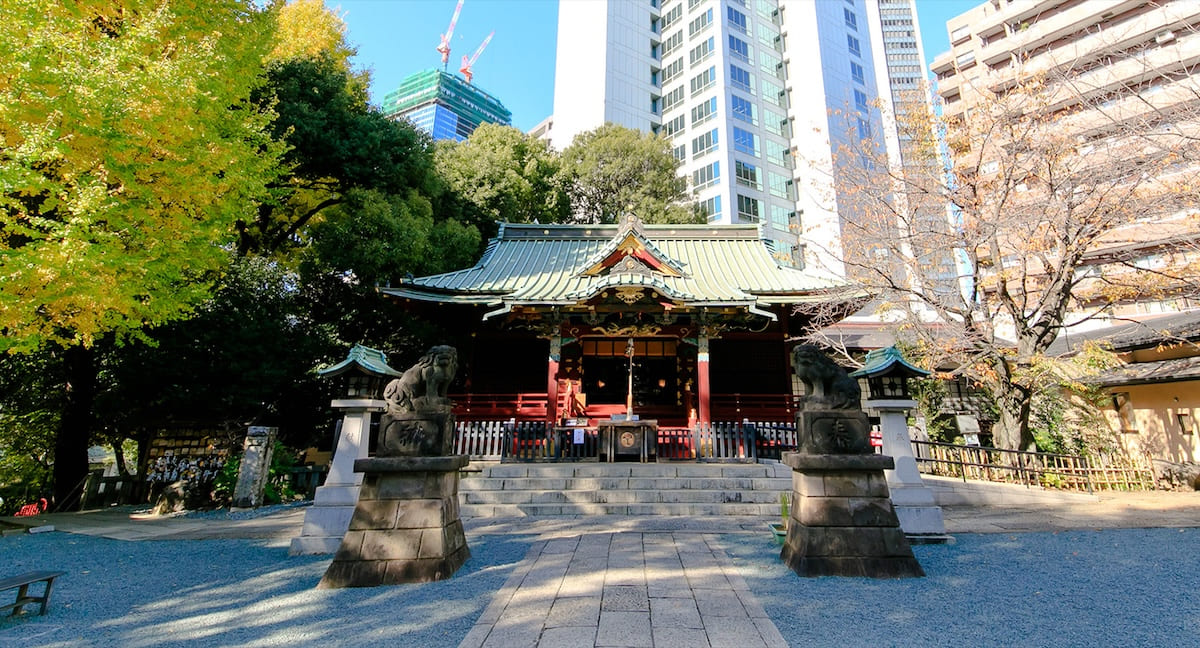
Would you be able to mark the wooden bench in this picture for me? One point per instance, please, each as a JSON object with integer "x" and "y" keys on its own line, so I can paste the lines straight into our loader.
{"x": 21, "y": 584}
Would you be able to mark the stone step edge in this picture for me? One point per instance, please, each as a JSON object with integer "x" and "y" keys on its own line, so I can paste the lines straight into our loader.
{"x": 469, "y": 511}
{"x": 620, "y": 483}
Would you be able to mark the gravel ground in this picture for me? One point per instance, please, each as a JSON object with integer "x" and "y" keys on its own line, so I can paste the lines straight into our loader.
{"x": 244, "y": 593}
{"x": 1123, "y": 587}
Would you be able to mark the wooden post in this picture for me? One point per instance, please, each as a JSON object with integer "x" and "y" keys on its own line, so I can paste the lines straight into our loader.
{"x": 629, "y": 392}
{"x": 552, "y": 379}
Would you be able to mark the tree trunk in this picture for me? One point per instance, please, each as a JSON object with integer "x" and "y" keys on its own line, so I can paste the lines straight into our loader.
{"x": 1012, "y": 430}
{"x": 119, "y": 455}
{"x": 75, "y": 427}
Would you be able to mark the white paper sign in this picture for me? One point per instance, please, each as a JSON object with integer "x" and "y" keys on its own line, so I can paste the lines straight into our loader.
{"x": 578, "y": 436}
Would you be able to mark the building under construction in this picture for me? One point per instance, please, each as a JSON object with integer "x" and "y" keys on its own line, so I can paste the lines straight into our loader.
{"x": 444, "y": 105}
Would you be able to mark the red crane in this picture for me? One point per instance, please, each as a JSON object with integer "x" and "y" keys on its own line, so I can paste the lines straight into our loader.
{"x": 467, "y": 63}
{"x": 444, "y": 47}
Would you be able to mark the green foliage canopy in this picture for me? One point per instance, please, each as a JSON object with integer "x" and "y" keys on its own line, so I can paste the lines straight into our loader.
{"x": 127, "y": 151}
{"x": 505, "y": 174}
{"x": 613, "y": 170}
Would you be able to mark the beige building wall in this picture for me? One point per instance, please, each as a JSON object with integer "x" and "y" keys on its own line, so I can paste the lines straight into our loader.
{"x": 1158, "y": 419}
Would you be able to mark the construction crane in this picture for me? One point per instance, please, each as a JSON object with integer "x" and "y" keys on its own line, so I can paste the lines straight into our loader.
{"x": 467, "y": 63}
{"x": 444, "y": 47}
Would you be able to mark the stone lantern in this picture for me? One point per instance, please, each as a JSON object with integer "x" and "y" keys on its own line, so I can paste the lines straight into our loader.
{"x": 888, "y": 374}
{"x": 362, "y": 376}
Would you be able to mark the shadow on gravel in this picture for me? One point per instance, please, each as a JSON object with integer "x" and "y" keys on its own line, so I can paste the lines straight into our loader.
{"x": 237, "y": 593}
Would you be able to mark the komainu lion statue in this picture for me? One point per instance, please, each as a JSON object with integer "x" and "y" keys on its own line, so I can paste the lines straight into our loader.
{"x": 426, "y": 382}
{"x": 826, "y": 385}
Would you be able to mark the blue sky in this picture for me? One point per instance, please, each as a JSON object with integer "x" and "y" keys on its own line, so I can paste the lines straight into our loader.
{"x": 396, "y": 38}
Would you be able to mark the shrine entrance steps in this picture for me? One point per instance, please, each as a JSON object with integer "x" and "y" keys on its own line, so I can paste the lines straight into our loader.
{"x": 514, "y": 490}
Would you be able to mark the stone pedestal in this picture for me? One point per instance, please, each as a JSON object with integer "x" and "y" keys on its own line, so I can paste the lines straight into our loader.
{"x": 255, "y": 467}
{"x": 325, "y": 522}
{"x": 919, "y": 514}
{"x": 405, "y": 527}
{"x": 428, "y": 432}
{"x": 842, "y": 522}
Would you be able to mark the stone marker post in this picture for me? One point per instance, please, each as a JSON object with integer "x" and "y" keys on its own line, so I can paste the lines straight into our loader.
{"x": 255, "y": 467}
{"x": 406, "y": 527}
{"x": 841, "y": 521}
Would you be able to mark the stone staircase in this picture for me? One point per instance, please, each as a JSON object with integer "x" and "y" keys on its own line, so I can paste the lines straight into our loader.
{"x": 515, "y": 490}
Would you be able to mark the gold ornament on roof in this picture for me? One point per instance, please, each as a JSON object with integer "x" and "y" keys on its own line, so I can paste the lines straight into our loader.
{"x": 629, "y": 294}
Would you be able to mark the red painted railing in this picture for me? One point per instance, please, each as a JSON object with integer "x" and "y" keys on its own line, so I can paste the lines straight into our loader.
{"x": 530, "y": 406}
{"x": 756, "y": 407}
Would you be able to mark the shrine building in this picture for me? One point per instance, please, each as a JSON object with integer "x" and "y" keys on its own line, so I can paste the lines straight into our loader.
{"x": 683, "y": 324}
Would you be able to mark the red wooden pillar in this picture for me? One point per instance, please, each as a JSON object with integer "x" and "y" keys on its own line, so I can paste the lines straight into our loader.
{"x": 702, "y": 379}
{"x": 552, "y": 380}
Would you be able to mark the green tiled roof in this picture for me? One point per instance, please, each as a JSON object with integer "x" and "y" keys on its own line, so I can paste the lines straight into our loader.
{"x": 548, "y": 265}
{"x": 881, "y": 360}
{"x": 366, "y": 359}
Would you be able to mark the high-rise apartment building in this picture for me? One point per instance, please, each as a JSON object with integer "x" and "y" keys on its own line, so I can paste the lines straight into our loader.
{"x": 1113, "y": 47}
{"x": 757, "y": 97}
{"x": 1120, "y": 79}
{"x": 444, "y": 105}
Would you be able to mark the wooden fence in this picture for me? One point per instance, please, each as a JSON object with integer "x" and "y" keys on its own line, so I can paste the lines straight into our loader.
{"x": 1063, "y": 472}
{"x": 516, "y": 440}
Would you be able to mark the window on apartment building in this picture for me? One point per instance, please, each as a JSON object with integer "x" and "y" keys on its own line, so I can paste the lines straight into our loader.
{"x": 671, "y": 15}
{"x": 960, "y": 33}
{"x": 778, "y": 154}
{"x": 704, "y": 111}
{"x": 860, "y": 100}
{"x": 770, "y": 63}
{"x": 673, "y": 126}
{"x": 851, "y": 19}
{"x": 711, "y": 208}
{"x": 777, "y": 184}
{"x": 746, "y": 174}
{"x": 864, "y": 129}
{"x": 672, "y": 41}
{"x": 743, "y": 109}
{"x": 745, "y": 141}
{"x": 780, "y": 217}
{"x": 701, "y": 51}
{"x": 853, "y": 45}
{"x": 749, "y": 209}
{"x": 773, "y": 93}
{"x": 966, "y": 59}
{"x": 704, "y": 143}
{"x": 739, "y": 49}
{"x": 692, "y": 4}
{"x": 704, "y": 80}
{"x": 673, "y": 98}
{"x": 737, "y": 19}
{"x": 857, "y": 73}
{"x": 740, "y": 79}
{"x": 700, "y": 23}
{"x": 680, "y": 153}
{"x": 775, "y": 123}
{"x": 673, "y": 69}
{"x": 706, "y": 175}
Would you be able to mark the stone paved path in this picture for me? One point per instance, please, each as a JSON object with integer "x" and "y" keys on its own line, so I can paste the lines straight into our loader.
{"x": 628, "y": 590}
